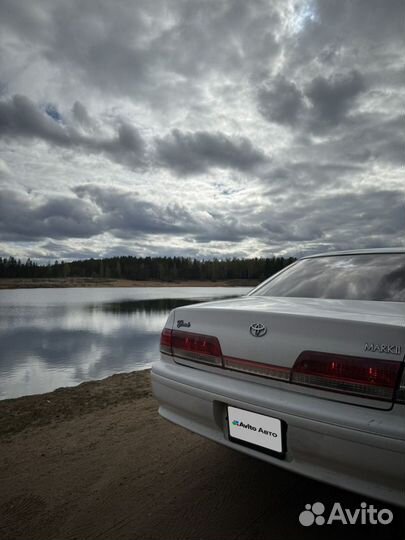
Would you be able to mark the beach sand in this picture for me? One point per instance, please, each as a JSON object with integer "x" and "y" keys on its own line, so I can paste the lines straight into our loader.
{"x": 97, "y": 462}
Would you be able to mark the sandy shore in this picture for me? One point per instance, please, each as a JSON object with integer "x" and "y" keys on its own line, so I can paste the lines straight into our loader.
{"x": 51, "y": 283}
{"x": 97, "y": 462}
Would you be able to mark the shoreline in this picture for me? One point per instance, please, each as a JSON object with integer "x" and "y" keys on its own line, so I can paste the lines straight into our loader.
{"x": 69, "y": 402}
{"x": 55, "y": 283}
{"x": 96, "y": 461}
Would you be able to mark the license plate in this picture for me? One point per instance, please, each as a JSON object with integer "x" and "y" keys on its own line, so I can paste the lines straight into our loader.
{"x": 255, "y": 429}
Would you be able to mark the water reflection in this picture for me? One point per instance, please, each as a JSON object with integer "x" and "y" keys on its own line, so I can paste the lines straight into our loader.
{"x": 148, "y": 306}
{"x": 51, "y": 338}
{"x": 378, "y": 277}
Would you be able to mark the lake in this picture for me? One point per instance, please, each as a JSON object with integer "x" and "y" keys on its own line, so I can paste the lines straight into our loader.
{"x": 61, "y": 337}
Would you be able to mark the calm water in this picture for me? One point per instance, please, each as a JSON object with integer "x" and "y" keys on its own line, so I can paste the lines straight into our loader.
{"x": 61, "y": 337}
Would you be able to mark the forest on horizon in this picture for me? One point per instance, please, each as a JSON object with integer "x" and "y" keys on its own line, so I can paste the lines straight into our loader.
{"x": 147, "y": 268}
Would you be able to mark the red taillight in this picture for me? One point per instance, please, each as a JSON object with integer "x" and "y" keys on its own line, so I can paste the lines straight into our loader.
{"x": 257, "y": 368}
{"x": 166, "y": 341}
{"x": 190, "y": 346}
{"x": 401, "y": 388}
{"x": 368, "y": 377}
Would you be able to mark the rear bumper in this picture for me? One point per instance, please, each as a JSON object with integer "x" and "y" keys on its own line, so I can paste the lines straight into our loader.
{"x": 352, "y": 447}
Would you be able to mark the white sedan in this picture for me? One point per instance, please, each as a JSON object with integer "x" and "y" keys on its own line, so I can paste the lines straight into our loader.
{"x": 305, "y": 372}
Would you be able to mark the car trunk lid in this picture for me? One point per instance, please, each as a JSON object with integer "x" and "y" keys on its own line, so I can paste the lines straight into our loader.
{"x": 266, "y": 335}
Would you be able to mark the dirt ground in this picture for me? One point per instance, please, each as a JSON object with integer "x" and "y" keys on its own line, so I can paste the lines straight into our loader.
{"x": 97, "y": 462}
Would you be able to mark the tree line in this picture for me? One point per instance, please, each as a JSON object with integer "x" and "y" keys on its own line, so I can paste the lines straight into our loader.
{"x": 147, "y": 268}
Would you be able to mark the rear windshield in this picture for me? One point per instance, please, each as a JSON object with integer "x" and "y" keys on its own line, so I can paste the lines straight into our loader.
{"x": 344, "y": 277}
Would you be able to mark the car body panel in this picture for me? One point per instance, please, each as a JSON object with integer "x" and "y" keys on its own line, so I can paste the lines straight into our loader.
{"x": 348, "y": 446}
{"x": 295, "y": 325}
{"x": 349, "y": 440}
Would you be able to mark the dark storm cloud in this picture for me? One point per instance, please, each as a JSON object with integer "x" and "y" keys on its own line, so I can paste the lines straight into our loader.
{"x": 23, "y": 217}
{"x": 125, "y": 213}
{"x": 331, "y": 98}
{"x": 281, "y": 101}
{"x": 184, "y": 153}
{"x": 92, "y": 211}
{"x": 320, "y": 105}
{"x": 305, "y": 221}
{"x": 20, "y": 117}
{"x": 194, "y": 153}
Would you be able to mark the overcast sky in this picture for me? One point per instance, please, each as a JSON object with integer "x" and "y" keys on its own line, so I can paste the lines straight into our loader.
{"x": 201, "y": 128}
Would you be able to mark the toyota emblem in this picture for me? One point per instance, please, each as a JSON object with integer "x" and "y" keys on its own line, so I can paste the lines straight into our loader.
{"x": 258, "y": 329}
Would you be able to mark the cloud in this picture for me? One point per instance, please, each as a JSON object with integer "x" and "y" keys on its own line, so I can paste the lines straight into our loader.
{"x": 24, "y": 217}
{"x": 184, "y": 153}
{"x": 195, "y": 153}
{"x": 90, "y": 352}
{"x": 343, "y": 220}
{"x": 4, "y": 169}
{"x": 238, "y": 127}
{"x": 81, "y": 115}
{"x": 281, "y": 101}
{"x": 88, "y": 212}
{"x": 332, "y": 98}
{"x": 124, "y": 214}
{"x": 340, "y": 221}
{"x": 20, "y": 117}
{"x": 92, "y": 211}
{"x": 321, "y": 105}
{"x": 153, "y": 52}
{"x": 363, "y": 21}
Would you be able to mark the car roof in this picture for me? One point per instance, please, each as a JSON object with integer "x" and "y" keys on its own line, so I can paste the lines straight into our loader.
{"x": 357, "y": 252}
